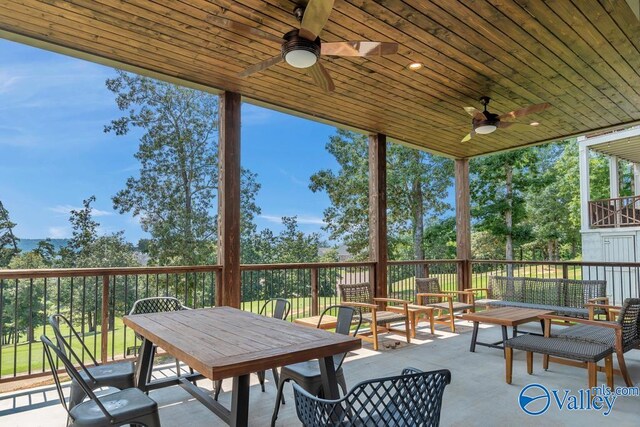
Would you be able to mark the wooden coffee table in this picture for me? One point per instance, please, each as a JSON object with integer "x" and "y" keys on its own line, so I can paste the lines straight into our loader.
{"x": 507, "y": 316}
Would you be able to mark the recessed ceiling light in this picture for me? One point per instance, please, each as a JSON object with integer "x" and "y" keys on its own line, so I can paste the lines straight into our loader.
{"x": 534, "y": 123}
{"x": 415, "y": 66}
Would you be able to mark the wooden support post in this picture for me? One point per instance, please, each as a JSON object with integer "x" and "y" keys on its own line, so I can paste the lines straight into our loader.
{"x": 229, "y": 288}
{"x": 463, "y": 223}
{"x": 378, "y": 211}
{"x": 104, "y": 328}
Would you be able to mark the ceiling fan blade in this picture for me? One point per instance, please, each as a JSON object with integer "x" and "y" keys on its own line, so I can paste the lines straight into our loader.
{"x": 358, "y": 48}
{"x": 469, "y": 136}
{"x": 477, "y": 114}
{"x": 242, "y": 28}
{"x": 514, "y": 125}
{"x": 261, "y": 66}
{"x": 315, "y": 17}
{"x": 321, "y": 76}
{"x": 524, "y": 111}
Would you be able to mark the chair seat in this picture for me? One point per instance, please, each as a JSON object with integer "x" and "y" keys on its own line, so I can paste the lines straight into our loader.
{"x": 383, "y": 317}
{"x": 118, "y": 375}
{"x": 588, "y": 333}
{"x": 561, "y": 347}
{"x": 457, "y": 306}
{"x": 304, "y": 371}
{"x": 122, "y": 405}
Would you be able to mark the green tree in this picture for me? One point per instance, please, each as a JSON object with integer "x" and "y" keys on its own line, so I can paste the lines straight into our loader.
{"x": 417, "y": 185}
{"x": 174, "y": 194}
{"x": 8, "y": 241}
{"x": 499, "y": 184}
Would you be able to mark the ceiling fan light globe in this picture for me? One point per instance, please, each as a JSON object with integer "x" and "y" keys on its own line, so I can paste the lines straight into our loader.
{"x": 486, "y": 128}
{"x": 300, "y": 58}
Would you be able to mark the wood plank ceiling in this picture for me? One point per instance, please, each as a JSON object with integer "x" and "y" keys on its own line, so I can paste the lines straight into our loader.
{"x": 582, "y": 56}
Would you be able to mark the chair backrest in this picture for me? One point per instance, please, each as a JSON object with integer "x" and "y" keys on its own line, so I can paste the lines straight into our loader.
{"x": 65, "y": 345}
{"x": 49, "y": 347}
{"x": 347, "y": 317}
{"x": 357, "y": 292}
{"x": 427, "y": 285}
{"x": 277, "y": 308}
{"x": 411, "y": 399}
{"x": 156, "y": 305}
{"x": 629, "y": 319}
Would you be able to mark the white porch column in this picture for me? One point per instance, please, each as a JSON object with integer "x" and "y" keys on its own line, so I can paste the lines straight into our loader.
{"x": 636, "y": 179}
{"x": 585, "y": 190}
{"x": 614, "y": 179}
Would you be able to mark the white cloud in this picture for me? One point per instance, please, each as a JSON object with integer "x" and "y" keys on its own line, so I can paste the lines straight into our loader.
{"x": 59, "y": 232}
{"x": 253, "y": 115}
{"x": 294, "y": 179}
{"x": 7, "y": 82}
{"x": 66, "y": 209}
{"x": 301, "y": 219}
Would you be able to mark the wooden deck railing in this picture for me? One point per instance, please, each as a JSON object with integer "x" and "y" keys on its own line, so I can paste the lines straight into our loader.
{"x": 96, "y": 299}
{"x": 617, "y": 212}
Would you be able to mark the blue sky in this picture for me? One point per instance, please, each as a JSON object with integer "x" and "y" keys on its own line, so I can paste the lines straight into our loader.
{"x": 55, "y": 153}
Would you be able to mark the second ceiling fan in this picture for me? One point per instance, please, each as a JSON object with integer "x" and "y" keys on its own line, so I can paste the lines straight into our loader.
{"x": 302, "y": 48}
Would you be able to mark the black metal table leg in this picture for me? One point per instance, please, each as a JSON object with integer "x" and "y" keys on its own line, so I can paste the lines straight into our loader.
{"x": 474, "y": 337}
{"x": 144, "y": 364}
{"x": 240, "y": 402}
{"x": 515, "y": 332}
{"x": 504, "y": 340}
{"x": 328, "y": 375}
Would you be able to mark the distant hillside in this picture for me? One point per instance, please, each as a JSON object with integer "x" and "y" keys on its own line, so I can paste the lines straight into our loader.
{"x": 27, "y": 245}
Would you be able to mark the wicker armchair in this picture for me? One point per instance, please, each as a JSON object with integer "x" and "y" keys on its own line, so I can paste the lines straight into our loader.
{"x": 446, "y": 303}
{"x": 359, "y": 295}
{"x": 622, "y": 335}
{"x": 411, "y": 399}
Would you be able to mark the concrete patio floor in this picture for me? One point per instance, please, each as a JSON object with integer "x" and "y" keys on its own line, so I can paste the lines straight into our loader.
{"x": 477, "y": 396}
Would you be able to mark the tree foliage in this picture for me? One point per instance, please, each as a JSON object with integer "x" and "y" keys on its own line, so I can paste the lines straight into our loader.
{"x": 8, "y": 241}
{"x": 174, "y": 195}
{"x": 417, "y": 186}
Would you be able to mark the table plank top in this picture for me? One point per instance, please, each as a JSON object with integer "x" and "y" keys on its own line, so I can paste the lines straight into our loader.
{"x": 328, "y": 321}
{"x": 507, "y": 316}
{"x": 223, "y": 342}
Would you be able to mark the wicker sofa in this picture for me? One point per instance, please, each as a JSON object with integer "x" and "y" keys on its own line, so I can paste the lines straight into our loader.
{"x": 572, "y": 298}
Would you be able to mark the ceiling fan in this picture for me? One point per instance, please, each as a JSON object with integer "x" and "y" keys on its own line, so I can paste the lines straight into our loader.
{"x": 301, "y": 48}
{"x": 484, "y": 122}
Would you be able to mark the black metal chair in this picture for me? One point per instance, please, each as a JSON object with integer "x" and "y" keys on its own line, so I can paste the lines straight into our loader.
{"x": 158, "y": 305}
{"x": 307, "y": 374}
{"x": 411, "y": 399}
{"x": 120, "y": 375}
{"x": 278, "y": 308}
{"x": 128, "y": 406}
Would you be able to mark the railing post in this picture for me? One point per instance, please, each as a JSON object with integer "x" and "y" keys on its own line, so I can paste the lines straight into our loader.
{"x": 104, "y": 331}
{"x": 565, "y": 271}
{"x": 218, "y": 288}
{"x": 314, "y": 292}
{"x": 426, "y": 270}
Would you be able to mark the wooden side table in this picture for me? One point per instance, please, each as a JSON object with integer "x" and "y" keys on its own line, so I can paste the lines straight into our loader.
{"x": 415, "y": 311}
{"x": 328, "y": 322}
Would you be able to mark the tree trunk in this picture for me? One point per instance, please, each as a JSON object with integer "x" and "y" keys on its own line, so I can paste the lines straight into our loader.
{"x": 91, "y": 322}
{"x": 418, "y": 225}
{"x": 508, "y": 217}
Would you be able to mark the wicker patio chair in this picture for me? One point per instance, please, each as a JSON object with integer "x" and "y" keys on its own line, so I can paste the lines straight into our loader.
{"x": 158, "y": 305}
{"x": 278, "y": 308}
{"x": 128, "y": 406}
{"x": 411, "y": 399}
{"x": 307, "y": 374}
{"x": 622, "y": 335}
{"x": 446, "y": 303}
{"x": 359, "y": 295}
{"x": 120, "y": 375}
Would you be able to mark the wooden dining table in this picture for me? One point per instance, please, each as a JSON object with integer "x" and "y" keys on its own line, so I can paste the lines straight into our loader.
{"x": 224, "y": 342}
